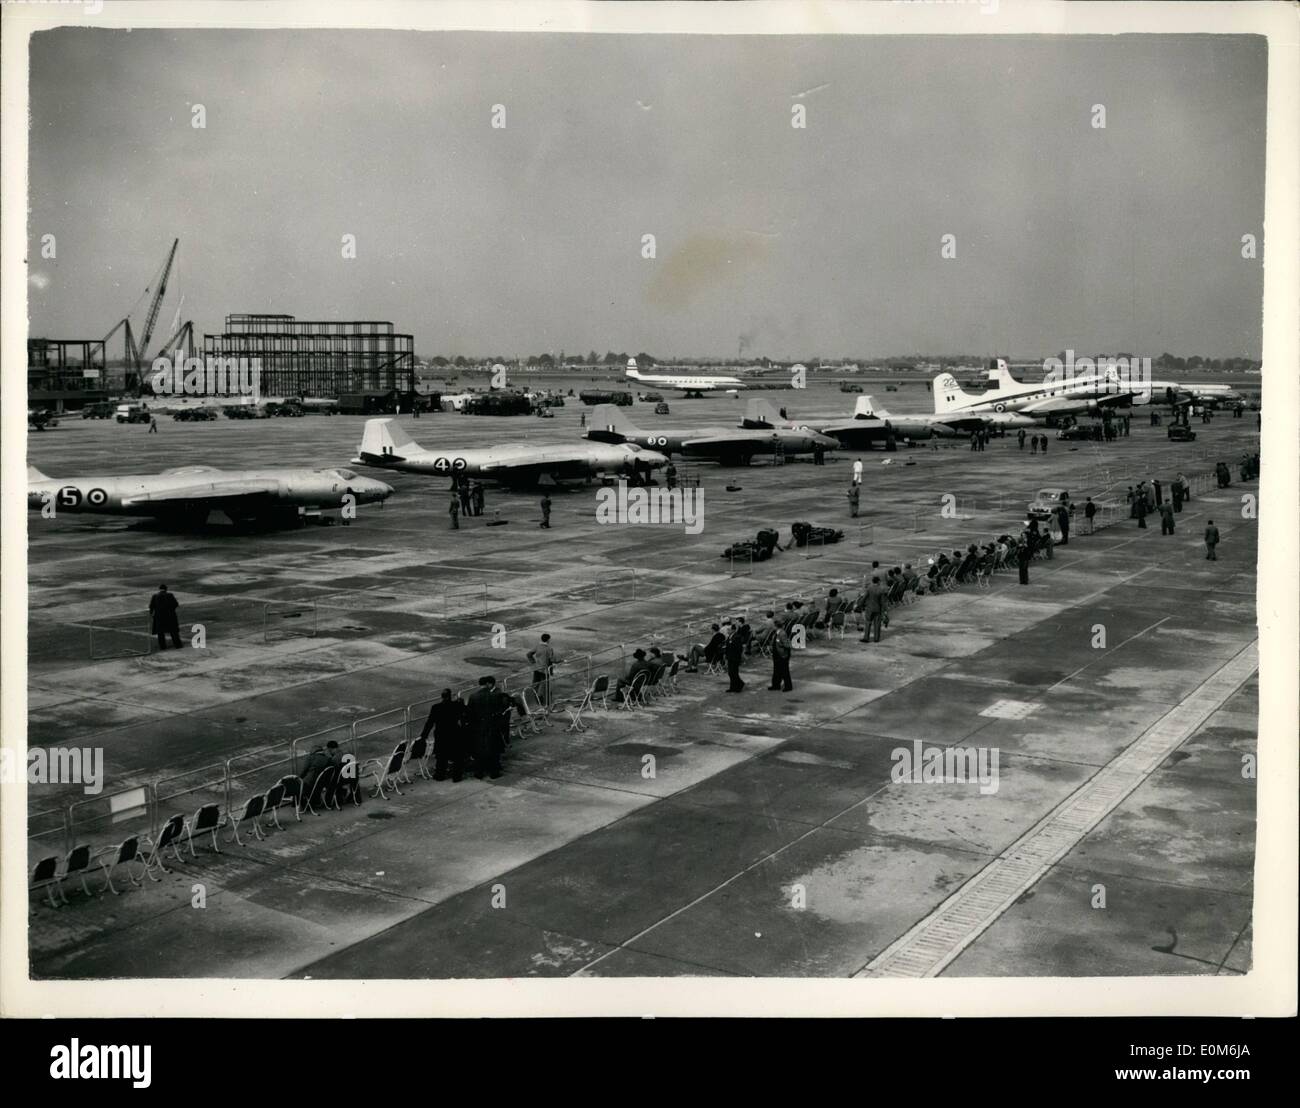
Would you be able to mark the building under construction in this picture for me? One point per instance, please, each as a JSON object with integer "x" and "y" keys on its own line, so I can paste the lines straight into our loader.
{"x": 65, "y": 374}
{"x": 318, "y": 358}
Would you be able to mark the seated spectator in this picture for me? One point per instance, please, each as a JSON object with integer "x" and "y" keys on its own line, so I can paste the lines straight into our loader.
{"x": 638, "y": 664}
{"x": 910, "y": 578}
{"x": 656, "y": 663}
{"x": 320, "y": 759}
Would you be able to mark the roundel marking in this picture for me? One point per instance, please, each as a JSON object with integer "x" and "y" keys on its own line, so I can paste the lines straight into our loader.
{"x": 97, "y": 498}
{"x": 999, "y": 407}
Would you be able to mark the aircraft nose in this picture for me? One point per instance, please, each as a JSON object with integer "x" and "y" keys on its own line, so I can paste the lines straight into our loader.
{"x": 655, "y": 458}
{"x": 377, "y": 490}
{"x": 826, "y": 442}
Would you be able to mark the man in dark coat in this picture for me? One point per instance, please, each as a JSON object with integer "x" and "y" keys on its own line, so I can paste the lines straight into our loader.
{"x": 1024, "y": 552}
{"x": 1166, "y": 519}
{"x": 319, "y": 760}
{"x": 735, "y": 652}
{"x": 873, "y": 607}
{"x": 447, "y": 722}
{"x": 1063, "y": 521}
{"x": 781, "y": 650}
{"x": 1211, "y": 541}
{"x": 162, "y": 609}
{"x": 484, "y": 712}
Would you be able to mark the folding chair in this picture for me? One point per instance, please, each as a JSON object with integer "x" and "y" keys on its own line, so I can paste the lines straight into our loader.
{"x": 290, "y": 793}
{"x": 838, "y": 619}
{"x": 126, "y": 852}
{"x": 205, "y": 821}
{"x": 651, "y": 687}
{"x": 45, "y": 875}
{"x": 77, "y": 862}
{"x": 253, "y": 808}
{"x": 668, "y": 682}
{"x": 322, "y": 790}
{"x": 576, "y": 706}
{"x": 347, "y": 785}
{"x": 386, "y": 772}
{"x": 419, "y": 754}
{"x": 534, "y": 718}
{"x": 169, "y": 836}
{"x": 632, "y": 694}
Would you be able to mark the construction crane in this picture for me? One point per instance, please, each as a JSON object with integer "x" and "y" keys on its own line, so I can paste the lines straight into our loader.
{"x": 135, "y": 355}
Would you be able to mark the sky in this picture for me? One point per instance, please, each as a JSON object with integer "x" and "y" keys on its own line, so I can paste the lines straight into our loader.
{"x": 770, "y": 240}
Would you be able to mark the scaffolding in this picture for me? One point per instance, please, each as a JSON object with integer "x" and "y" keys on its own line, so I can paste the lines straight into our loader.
{"x": 313, "y": 358}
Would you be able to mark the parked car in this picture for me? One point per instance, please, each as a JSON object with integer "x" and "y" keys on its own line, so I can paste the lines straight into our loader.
{"x": 1077, "y": 433}
{"x": 131, "y": 412}
{"x": 101, "y": 409}
{"x": 661, "y": 408}
{"x": 1180, "y": 432}
{"x": 194, "y": 415}
{"x": 1044, "y": 506}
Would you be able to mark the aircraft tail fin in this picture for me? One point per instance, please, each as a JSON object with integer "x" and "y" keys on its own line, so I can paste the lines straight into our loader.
{"x": 633, "y": 373}
{"x": 948, "y": 395}
{"x": 866, "y": 408}
{"x": 760, "y": 413}
{"x": 1000, "y": 375}
{"x": 610, "y": 418}
{"x": 384, "y": 439}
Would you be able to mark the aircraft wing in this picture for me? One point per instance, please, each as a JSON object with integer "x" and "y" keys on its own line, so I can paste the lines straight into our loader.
{"x": 1067, "y": 405}
{"x": 209, "y": 490}
{"x": 730, "y": 442}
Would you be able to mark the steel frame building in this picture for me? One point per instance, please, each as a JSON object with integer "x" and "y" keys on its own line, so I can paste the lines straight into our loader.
{"x": 318, "y": 358}
{"x": 66, "y": 374}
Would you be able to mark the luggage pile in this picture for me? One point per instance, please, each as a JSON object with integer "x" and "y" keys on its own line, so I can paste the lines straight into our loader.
{"x": 805, "y": 533}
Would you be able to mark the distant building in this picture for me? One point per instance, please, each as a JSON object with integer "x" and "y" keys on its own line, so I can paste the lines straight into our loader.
{"x": 318, "y": 358}
{"x": 65, "y": 374}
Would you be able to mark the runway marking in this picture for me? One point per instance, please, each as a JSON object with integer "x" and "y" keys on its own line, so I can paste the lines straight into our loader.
{"x": 932, "y": 944}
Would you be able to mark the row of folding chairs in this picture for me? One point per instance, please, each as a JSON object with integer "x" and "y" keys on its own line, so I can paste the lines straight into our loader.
{"x": 645, "y": 688}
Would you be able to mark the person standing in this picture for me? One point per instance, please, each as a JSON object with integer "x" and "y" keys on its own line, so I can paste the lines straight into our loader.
{"x": 873, "y": 608}
{"x": 1159, "y": 491}
{"x": 453, "y": 510}
{"x": 484, "y": 722}
{"x": 1176, "y": 491}
{"x": 1187, "y": 488}
{"x": 543, "y": 660}
{"x": 153, "y": 425}
{"x": 1063, "y": 521}
{"x": 462, "y": 491}
{"x": 1089, "y": 513}
{"x": 853, "y": 495}
{"x": 1021, "y": 436}
{"x": 1024, "y": 552}
{"x": 781, "y": 650}
{"x": 670, "y": 475}
{"x": 163, "y": 612}
{"x": 1140, "y": 508}
{"x": 546, "y": 510}
{"x": 1211, "y": 541}
{"x": 476, "y": 497}
{"x": 447, "y": 722}
{"x": 582, "y": 419}
{"x": 1033, "y": 444}
{"x": 1043, "y": 444}
{"x": 734, "y": 651}
{"x": 1166, "y": 519}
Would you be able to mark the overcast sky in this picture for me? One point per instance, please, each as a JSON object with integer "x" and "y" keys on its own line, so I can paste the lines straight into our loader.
{"x": 791, "y": 243}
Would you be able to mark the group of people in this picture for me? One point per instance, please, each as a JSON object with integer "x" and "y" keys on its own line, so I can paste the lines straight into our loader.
{"x": 467, "y": 498}
{"x": 472, "y": 733}
{"x": 1036, "y": 442}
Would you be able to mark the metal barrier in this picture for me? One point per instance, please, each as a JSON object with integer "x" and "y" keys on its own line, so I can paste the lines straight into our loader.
{"x": 300, "y": 747}
{"x": 105, "y": 820}
{"x": 188, "y": 791}
{"x": 374, "y": 736}
{"x": 278, "y": 614}
{"x": 468, "y": 601}
{"x": 49, "y": 828}
{"x": 118, "y": 642}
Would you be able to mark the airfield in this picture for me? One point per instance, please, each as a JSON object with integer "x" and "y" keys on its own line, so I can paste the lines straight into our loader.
{"x": 771, "y": 839}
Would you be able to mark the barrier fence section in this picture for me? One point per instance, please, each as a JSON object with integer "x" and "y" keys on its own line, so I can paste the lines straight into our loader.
{"x": 105, "y": 820}
{"x": 108, "y": 641}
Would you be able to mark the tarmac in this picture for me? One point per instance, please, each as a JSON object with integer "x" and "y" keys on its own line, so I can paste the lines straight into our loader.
{"x": 708, "y": 834}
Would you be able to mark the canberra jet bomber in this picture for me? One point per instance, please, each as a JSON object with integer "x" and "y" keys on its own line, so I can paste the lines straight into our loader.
{"x": 184, "y": 496}
{"x": 385, "y": 445}
{"x": 860, "y": 432}
{"x": 726, "y": 445}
